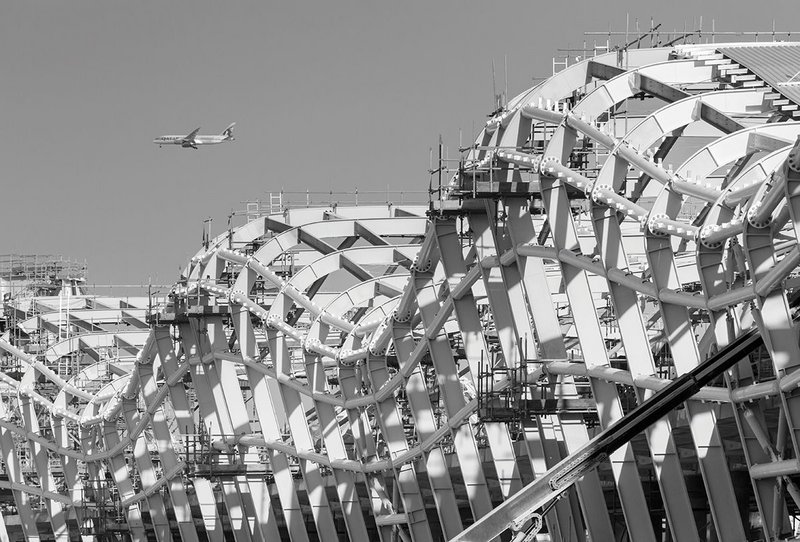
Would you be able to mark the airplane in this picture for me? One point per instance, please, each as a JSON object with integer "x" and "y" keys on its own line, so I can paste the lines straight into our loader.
{"x": 193, "y": 140}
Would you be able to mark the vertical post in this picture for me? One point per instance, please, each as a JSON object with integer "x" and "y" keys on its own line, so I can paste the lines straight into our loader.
{"x": 60, "y": 310}
{"x": 69, "y": 300}
{"x": 625, "y": 51}
{"x": 700, "y": 33}
{"x": 440, "y": 172}
{"x": 230, "y": 229}
{"x": 474, "y": 188}
{"x": 505, "y": 69}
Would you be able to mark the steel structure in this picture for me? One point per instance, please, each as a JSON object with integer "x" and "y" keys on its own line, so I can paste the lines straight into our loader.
{"x": 576, "y": 340}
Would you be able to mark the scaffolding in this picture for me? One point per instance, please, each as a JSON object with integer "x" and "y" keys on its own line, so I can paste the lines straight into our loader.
{"x": 281, "y": 201}
{"x": 40, "y": 271}
{"x": 102, "y": 510}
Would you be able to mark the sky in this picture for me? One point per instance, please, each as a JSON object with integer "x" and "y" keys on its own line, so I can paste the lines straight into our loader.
{"x": 326, "y": 95}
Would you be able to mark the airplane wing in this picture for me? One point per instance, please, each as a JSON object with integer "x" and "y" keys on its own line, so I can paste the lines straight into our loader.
{"x": 190, "y": 138}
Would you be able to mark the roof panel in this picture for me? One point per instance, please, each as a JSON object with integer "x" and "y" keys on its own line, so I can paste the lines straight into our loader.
{"x": 774, "y": 63}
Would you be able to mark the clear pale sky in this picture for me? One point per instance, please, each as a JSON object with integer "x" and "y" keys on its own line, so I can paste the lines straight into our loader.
{"x": 327, "y": 95}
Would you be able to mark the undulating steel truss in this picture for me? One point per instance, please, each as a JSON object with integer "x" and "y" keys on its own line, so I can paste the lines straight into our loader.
{"x": 398, "y": 372}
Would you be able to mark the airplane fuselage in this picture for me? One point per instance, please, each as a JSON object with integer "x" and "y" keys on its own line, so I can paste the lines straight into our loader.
{"x": 194, "y": 140}
{"x": 198, "y": 140}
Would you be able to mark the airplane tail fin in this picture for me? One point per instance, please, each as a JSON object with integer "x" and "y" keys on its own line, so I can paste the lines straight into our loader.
{"x": 228, "y": 132}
